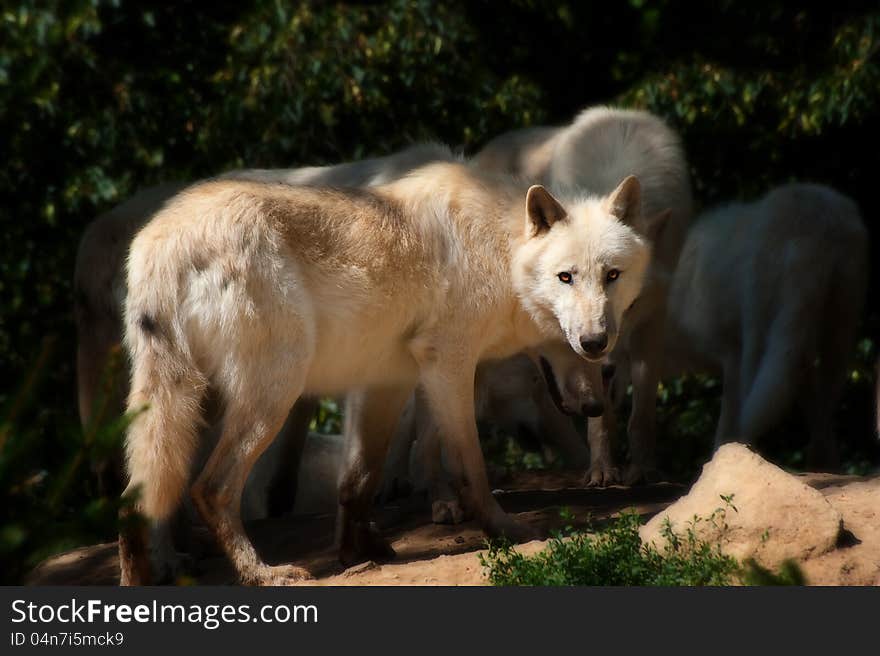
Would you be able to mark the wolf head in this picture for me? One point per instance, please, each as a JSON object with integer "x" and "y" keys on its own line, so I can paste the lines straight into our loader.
{"x": 575, "y": 385}
{"x": 581, "y": 265}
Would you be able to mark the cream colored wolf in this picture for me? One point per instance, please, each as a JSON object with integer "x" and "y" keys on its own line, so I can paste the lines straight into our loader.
{"x": 601, "y": 146}
{"x": 254, "y": 294}
{"x": 99, "y": 277}
{"x": 100, "y": 291}
{"x": 769, "y": 294}
{"x": 99, "y": 284}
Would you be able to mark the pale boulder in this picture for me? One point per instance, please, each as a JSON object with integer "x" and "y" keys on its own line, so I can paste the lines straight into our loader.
{"x": 777, "y": 516}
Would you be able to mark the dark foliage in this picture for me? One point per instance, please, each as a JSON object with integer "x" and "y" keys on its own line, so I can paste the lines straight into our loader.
{"x": 99, "y": 98}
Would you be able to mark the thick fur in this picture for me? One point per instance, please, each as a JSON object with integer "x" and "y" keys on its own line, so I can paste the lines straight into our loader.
{"x": 99, "y": 277}
{"x": 261, "y": 293}
{"x": 535, "y": 405}
{"x": 601, "y": 146}
{"x": 770, "y": 294}
{"x": 100, "y": 287}
{"x": 526, "y": 153}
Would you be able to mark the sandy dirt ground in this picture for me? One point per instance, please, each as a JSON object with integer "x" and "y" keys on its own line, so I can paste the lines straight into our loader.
{"x": 429, "y": 554}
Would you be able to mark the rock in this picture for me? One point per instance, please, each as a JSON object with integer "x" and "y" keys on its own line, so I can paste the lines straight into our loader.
{"x": 777, "y": 516}
{"x": 360, "y": 568}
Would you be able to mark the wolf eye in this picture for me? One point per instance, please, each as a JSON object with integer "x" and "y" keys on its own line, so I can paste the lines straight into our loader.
{"x": 565, "y": 277}
{"x": 612, "y": 275}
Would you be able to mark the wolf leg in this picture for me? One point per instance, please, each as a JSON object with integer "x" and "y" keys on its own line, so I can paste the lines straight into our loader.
{"x": 442, "y": 472}
{"x": 600, "y": 433}
{"x": 772, "y": 389}
{"x": 371, "y": 416}
{"x": 248, "y": 429}
{"x": 646, "y": 357}
{"x": 398, "y": 477}
{"x": 449, "y": 389}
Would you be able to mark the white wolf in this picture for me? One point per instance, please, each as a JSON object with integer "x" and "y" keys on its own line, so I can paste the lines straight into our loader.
{"x": 256, "y": 294}
{"x": 100, "y": 292}
{"x": 100, "y": 288}
{"x": 99, "y": 276}
{"x": 99, "y": 284}
{"x": 601, "y": 146}
{"x": 769, "y": 294}
{"x": 273, "y": 484}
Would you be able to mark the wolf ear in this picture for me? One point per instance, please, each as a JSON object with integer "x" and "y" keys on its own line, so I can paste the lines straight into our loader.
{"x": 652, "y": 226}
{"x": 625, "y": 202}
{"x": 542, "y": 211}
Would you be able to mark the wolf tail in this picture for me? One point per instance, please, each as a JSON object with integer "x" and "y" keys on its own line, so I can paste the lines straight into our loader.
{"x": 167, "y": 388}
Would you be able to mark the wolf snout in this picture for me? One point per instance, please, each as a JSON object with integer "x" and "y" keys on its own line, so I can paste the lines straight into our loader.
{"x": 593, "y": 408}
{"x": 594, "y": 345}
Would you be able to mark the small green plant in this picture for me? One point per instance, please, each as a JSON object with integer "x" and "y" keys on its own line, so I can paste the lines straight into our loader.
{"x": 789, "y": 574}
{"x": 328, "y": 418}
{"x": 616, "y": 556}
{"x": 613, "y": 556}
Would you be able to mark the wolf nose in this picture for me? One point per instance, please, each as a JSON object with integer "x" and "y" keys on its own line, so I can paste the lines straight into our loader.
{"x": 594, "y": 345}
{"x": 608, "y": 372}
{"x": 593, "y": 408}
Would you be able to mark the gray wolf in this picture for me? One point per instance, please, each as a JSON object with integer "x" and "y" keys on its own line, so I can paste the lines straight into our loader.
{"x": 526, "y": 152}
{"x": 367, "y": 172}
{"x": 598, "y": 148}
{"x": 254, "y": 294}
{"x": 769, "y": 295}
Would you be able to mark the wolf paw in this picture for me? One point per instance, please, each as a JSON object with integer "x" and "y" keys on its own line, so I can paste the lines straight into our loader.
{"x": 447, "y": 512}
{"x": 602, "y": 475}
{"x": 277, "y": 575}
{"x": 362, "y": 542}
